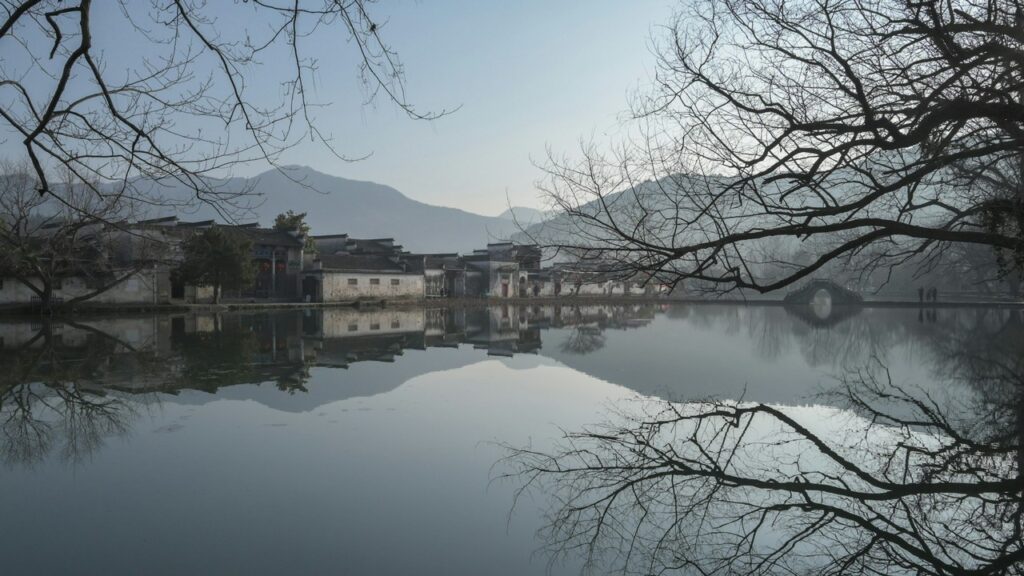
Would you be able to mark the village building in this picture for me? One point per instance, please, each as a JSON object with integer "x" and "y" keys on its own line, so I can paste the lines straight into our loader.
{"x": 347, "y": 277}
{"x": 338, "y": 268}
{"x": 502, "y": 270}
{"x": 348, "y": 269}
{"x": 600, "y": 279}
{"x": 444, "y": 275}
{"x": 144, "y": 286}
{"x": 277, "y": 257}
{"x": 105, "y": 264}
{"x": 543, "y": 284}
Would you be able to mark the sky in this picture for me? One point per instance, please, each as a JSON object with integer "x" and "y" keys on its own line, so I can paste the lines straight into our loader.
{"x": 525, "y": 75}
{"x": 528, "y": 75}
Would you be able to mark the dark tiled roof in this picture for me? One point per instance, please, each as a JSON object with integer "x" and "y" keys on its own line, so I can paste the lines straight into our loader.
{"x": 161, "y": 220}
{"x": 270, "y": 236}
{"x": 360, "y": 263}
{"x": 372, "y": 246}
{"x": 447, "y": 261}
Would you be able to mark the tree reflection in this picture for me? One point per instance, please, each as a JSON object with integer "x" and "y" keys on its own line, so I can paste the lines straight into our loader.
{"x": 49, "y": 401}
{"x": 892, "y": 478}
{"x": 583, "y": 339}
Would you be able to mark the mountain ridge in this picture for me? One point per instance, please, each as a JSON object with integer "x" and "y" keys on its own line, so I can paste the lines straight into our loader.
{"x": 360, "y": 208}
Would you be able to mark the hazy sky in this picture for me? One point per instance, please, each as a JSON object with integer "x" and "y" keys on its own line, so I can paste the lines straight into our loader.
{"x": 528, "y": 74}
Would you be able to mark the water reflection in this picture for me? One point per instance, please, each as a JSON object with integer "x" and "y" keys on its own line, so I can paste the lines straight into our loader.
{"x": 887, "y": 475}
{"x": 66, "y": 385}
{"x": 325, "y": 396}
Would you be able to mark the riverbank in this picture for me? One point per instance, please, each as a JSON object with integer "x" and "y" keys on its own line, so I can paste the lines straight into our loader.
{"x": 229, "y": 306}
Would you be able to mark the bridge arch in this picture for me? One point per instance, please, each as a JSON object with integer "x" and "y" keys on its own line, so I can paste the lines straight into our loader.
{"x": 816, "y": 291}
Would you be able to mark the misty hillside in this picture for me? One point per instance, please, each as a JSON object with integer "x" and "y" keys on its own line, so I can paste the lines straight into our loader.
{"x": 363, "y": 209}
{"x": 523, "y": 215}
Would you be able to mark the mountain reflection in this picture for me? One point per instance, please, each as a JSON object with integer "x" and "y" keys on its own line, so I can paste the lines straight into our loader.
{"x": 66, "y": 385}
{"x": 884, "y": 476}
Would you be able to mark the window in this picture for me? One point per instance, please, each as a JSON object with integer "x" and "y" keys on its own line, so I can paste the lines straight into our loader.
{"x": 374, "y": 281}
{"x": 353, "y": 281}
{"x": 374, "y": 326}
{"x": 396, "y": 324}
{"x": 353, "y": 327}
{"x": 394, "y": 282}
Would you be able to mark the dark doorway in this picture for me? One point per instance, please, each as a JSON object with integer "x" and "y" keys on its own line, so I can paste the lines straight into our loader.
{"x": 311, "y": 289}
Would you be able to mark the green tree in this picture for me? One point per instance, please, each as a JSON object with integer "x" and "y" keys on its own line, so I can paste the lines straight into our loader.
{"x": 290, "y": 221}
{"x": 217, "y": 257}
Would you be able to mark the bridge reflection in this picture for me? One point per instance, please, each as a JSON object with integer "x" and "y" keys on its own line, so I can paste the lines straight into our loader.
{"x": 82, "y": 380}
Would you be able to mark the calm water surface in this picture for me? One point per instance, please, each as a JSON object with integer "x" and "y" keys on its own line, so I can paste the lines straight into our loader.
{"x": 349, "y": 442}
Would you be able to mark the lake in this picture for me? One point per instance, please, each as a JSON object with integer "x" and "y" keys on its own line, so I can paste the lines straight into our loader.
{"x": 371, "y": 442}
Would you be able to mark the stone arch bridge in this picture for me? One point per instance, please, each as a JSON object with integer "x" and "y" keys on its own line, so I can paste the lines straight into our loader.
{"x": 816, "y": 289}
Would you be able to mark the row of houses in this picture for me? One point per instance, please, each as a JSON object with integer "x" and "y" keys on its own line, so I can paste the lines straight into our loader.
{"x": 344, "y": 269}
{"x": 290, "y": 267}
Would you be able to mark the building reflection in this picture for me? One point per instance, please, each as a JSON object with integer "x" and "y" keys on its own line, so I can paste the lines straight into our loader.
{"x": 207, "y": 352}
{"x": 57, "y": 375}
{"x": 172, "y": 354}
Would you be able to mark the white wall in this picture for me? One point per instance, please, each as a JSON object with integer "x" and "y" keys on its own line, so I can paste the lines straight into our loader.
{"x": 547, "y": 288}
{"x": 336, "y": 287}
{"x": 497, "y": 279}
{"x": 141, "y": 288}
{"x": 344, "y": 322}
{"x": 586, "y": 289}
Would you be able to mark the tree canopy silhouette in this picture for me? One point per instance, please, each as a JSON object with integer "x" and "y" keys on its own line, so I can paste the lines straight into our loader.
{"x": 219, "y": 257}
{"x": 781, "y": 138}
{"x": 213, "y": 85}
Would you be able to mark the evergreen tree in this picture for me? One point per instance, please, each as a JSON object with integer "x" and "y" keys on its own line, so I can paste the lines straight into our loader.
{"x": 217, "y": 257}
{"x": 290, "y": 221}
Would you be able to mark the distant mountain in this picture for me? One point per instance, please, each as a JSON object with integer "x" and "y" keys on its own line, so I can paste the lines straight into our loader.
{"x": 523, "y": 215}
{"x": 336, "y": 205}
{"x": 629, "y": 207}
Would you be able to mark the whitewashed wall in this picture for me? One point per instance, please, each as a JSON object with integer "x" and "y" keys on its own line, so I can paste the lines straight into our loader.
{"x": 586, "y": 289}
{"x": 547, "y": 289}
{"x": 343, "y": 322}
{"x": 336, "y": 286}
{"x": 497, "y": 279}
{"x": 141, "y": 288}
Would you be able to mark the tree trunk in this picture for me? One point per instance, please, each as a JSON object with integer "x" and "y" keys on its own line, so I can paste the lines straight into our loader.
{"x": 46, "y": 299}
{"x": 216, "y": 293}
